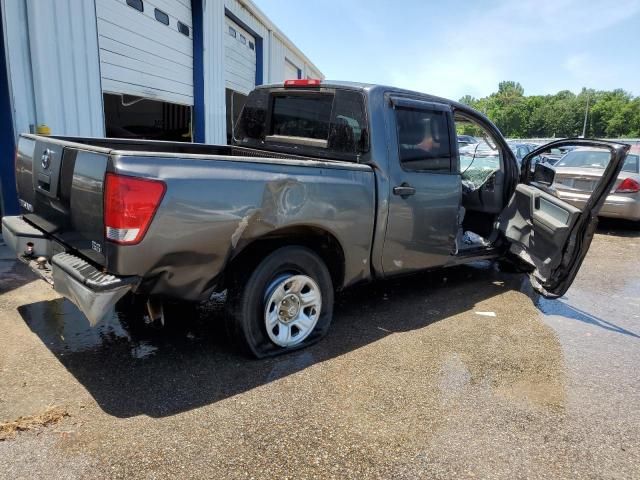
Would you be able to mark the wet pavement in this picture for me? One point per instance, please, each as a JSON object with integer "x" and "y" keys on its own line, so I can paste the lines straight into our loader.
{"x": 460, "y": 373}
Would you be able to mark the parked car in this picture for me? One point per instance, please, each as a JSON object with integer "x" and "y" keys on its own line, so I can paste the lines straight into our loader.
{"x": 552, "y": 156}
{"x": 520, "y": 150}
{"x": 579, "y": 171}
{"x": 464, "y": 140}
{"x": 326, "y": 185}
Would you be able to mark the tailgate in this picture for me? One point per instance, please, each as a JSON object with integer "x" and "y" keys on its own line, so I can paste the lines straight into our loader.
{"x": 60, "y": 190}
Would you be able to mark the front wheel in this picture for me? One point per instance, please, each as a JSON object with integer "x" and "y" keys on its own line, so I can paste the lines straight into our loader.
{"x": 285, "y": 304}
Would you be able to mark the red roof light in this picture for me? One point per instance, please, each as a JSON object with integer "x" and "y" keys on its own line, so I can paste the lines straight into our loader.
{"x": 303, "y": 82}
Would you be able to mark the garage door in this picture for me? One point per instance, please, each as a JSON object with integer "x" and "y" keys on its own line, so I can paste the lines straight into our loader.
{"x": 240, "y": 58}
{"x": 146, "y": 48}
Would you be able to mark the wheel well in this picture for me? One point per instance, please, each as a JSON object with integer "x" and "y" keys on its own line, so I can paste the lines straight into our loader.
{"x": 323, "y": 243}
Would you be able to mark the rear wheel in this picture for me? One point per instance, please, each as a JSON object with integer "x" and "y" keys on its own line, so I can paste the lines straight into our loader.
{"x": 285, "y": 304}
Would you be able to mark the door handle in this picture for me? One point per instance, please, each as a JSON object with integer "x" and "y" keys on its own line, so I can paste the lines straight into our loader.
{"x": 405, "y": 190}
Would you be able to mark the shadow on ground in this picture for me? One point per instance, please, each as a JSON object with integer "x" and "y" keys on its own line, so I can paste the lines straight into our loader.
{"x": 619, "y": 228}
{"x": 160, "y": 372}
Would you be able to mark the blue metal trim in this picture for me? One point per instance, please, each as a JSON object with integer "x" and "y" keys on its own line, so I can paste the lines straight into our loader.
{"x": 8, "y": 192}
{"x": 259, "y": 44}
{"x": 198, "y": 72}
{"x": 259, "y": 60}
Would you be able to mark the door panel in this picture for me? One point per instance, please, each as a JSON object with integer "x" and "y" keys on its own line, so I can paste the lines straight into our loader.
{"x": 539, "y": 224}
{"x": 550, "y": 234}
{"x": 425, "y": 192}
{"x": 421, "y": 228}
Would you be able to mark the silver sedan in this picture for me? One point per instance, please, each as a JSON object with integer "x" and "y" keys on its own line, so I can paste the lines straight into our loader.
{"x": 578, "y": 173}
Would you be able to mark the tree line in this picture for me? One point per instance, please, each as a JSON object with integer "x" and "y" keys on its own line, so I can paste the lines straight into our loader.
{"x": 611, "y": 114}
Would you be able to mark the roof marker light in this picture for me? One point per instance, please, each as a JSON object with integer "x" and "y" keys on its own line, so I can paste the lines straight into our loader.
{"x": 303, "y": 82}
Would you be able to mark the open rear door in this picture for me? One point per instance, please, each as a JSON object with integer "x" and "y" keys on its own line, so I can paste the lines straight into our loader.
{"x": 549, "y": 234}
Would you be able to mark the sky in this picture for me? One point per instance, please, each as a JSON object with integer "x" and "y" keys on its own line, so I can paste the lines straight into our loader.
{"x": 456, "y": 47}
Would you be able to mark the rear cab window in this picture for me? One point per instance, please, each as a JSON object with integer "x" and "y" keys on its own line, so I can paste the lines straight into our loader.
{"x": 326, "y": 123}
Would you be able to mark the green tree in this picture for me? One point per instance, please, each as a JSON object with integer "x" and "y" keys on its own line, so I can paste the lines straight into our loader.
{"x": 613, "y": 113}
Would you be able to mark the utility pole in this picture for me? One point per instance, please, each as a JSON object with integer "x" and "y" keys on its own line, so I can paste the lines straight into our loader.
{"x": 586, "y": 114}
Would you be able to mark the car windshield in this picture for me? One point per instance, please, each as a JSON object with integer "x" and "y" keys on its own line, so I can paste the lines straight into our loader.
{"x": 478, "y": 163}
{"x": 596, "y": 159}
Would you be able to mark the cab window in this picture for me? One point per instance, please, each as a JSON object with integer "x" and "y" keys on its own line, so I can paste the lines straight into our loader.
{"x": 423, "y": 140}
{"x": 302, "y": 116}
{"x": 312, "y": 123}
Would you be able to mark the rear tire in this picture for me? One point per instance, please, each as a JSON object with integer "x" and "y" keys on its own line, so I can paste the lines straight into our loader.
{"x": 285, "y": 304}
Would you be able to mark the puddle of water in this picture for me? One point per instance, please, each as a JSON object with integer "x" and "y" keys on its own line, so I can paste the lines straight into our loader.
{"x": 64, "y": 329}
{"x": 454, "y": 378}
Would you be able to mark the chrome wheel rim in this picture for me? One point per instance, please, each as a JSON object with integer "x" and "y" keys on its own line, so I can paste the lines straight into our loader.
{"x": 292, "y": 309}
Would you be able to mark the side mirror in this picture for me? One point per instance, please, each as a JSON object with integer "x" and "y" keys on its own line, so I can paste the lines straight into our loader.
{"x": 543, "y": 174}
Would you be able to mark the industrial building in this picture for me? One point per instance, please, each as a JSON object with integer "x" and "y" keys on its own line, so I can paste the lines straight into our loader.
{"x": 158, "y": 69}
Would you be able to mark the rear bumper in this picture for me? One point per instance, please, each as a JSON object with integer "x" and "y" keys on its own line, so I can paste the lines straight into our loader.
{"x": 615, "y": 206}
{"x": 94, "y": 292}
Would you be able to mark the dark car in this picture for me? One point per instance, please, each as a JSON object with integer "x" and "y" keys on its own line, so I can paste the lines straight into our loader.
{"x": 464, "y": 140}
{"x": 520, "y": 150}
{"x": 554, "y": 155}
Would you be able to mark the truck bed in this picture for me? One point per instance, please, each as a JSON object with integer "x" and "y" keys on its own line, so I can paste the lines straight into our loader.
{"x": 218, "y": 199}
{"x": 161, "y": 147}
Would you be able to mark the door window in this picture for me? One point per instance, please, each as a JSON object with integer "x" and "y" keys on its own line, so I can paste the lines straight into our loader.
{"x": 423, "y": 140}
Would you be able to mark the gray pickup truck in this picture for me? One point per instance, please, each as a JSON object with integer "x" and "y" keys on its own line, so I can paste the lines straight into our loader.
{"x": 326, "y": 184}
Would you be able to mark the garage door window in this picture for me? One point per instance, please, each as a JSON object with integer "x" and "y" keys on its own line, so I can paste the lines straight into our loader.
{"x": 137, "y": 4}
{"x": 161, "y": 16}
{"x": 183, "y": 29}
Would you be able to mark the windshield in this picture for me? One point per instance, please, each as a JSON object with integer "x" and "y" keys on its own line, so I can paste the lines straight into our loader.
{"x": 596, "y": 159}
{"x": 478, "y": 163}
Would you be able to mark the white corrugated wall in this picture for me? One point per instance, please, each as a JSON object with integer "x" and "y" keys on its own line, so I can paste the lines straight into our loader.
{"x": 214, "y": 82}
{"x": 14, "y": 15}
{"x": 53, "y": 66}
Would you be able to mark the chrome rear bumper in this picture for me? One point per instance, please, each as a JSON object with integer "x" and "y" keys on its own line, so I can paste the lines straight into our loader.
{"x": 94, "y": 292}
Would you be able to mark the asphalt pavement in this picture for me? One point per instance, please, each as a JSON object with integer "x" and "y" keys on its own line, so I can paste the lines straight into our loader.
{"x": 460, "y": 373}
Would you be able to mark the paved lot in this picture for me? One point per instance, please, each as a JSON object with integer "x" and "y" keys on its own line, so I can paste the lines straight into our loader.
{"x": 464, "y": 373}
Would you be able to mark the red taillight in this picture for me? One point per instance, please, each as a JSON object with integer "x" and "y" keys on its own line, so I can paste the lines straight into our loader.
{"x": 628, "y": 185}
{"x": 129, "y": 206}
{"x": 302, "y": 82}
